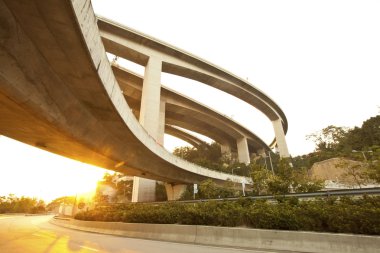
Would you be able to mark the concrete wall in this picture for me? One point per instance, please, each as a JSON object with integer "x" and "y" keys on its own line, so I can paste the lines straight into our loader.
{"x": 234, "y": 237}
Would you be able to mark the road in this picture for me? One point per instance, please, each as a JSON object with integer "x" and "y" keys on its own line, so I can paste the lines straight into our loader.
{"x": 34, "y": 234}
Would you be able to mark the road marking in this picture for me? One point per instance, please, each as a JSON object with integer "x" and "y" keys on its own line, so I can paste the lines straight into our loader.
{"x": 39, "y": 235}
{"x": 84, "y": 247}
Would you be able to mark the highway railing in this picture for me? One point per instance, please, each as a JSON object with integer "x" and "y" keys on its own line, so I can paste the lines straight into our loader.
{"x": 327, "y": 193}
{"x": 306, "y": 195}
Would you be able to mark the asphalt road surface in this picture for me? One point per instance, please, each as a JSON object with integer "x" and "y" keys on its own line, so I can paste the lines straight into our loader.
{"x": 32, "y": 234}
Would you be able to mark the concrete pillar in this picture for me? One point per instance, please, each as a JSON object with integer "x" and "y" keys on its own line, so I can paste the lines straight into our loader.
{"x": 161, "y": 127}
{"x": 280, "y": 138}
{"x": 145, "y": 189}
{"x": 243, "y": 152}
{"x": 175, "y": 191}
{"x": 151, "y": 97}
{"x": 225, "y": 149}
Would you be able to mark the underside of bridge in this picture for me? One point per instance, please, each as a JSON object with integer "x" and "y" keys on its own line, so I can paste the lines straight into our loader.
{"x": 58, "y": 92}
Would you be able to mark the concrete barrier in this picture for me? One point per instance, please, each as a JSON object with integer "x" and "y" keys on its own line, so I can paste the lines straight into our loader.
{"x": 233, "y": 237}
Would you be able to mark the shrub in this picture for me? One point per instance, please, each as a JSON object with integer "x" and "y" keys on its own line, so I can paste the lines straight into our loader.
{"x": 346, "y": 215}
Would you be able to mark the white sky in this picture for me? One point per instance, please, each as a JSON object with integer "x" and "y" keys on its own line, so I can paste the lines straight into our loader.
{"x": 319, "y": 60}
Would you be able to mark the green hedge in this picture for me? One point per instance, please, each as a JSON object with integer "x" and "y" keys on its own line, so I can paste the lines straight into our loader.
{"x": 359, "y": 216}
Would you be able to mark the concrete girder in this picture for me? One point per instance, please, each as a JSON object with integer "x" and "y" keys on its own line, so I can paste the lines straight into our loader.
{"x": 187, "y": 121}
{"x": 212, "y": 122}
{"x": 131, "y": 82}
{"x": 201, "y": 127}
{"x": 116, "y": 37}
{"x": 189, "y": 138}
{"x": 57, "y": 76}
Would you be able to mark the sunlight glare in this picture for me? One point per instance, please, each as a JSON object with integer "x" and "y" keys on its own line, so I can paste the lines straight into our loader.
{"x": 28, "y": 171}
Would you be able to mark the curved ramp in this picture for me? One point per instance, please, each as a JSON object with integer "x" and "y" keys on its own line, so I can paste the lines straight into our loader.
{"x": 58, "y": 92}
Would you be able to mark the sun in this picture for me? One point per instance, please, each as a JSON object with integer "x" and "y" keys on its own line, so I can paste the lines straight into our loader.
{"x": 28, "y": 171}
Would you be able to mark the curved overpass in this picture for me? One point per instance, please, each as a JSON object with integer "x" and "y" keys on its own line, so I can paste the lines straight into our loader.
{"x": 189, "y": 138}
{"x": 141, "y": 49}
{"x": 187, "y": 113}
{"x": 58, "y": 91}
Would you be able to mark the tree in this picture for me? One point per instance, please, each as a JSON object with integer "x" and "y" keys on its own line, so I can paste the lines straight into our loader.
{"x": 205, "y": 155}
{"x": 259, "y": 176}
{"x": 373, "y": 164}
{"x": 211, "y": 157}
{"x": 371, "y": 132}
{"x": 112, "y": 188}
{"x": 302, "y": 182}
{"x": 280, "y": 182}
{"x": 357, "y": 172}
{"x": 208, "y": 189}
{"x": 374, "y": 171}
{"x": 13, "y": 204}
{"x": 289, "y": 179}
{"x": 123, "y": 186}
{"x": 328, "y": 138}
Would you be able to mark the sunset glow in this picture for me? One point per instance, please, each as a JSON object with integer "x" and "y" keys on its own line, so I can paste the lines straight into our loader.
{"x": 28, "y": 171}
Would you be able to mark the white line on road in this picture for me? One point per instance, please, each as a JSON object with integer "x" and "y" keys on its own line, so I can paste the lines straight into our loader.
{"x": 84, "y": 247}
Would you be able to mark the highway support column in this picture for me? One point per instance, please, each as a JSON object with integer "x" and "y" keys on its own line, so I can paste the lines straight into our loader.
{"x": 226, "y": 150}
{"x": 161, "y": 122}
{"x": 174, "y": 191}
{"x": 243, "y": 152}
{"x": 145, "y": 189}
{"x": 280, "y": 138}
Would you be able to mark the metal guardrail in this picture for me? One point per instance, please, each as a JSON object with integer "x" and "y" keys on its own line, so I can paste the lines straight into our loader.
{"x": 329, "y": 193}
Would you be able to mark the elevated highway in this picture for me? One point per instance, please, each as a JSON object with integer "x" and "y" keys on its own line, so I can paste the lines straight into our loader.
{"x": 58, "y": 92}
{"x": 141, "y": 48}
{"x": 186, "y": 113}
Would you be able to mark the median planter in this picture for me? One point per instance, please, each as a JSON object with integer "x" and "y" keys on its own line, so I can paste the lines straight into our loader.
{"x": 355, "y": 216}
{"x": 233, "y": 237}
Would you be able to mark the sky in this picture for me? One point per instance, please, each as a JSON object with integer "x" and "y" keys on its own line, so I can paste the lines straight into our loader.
{"x": 32, "y": 172}
{"x": 318, "y": 60}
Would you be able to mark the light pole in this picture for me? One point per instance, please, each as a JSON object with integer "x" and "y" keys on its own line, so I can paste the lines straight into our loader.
{"x": 270, "y": 160}
{"x": 365, "y": 158}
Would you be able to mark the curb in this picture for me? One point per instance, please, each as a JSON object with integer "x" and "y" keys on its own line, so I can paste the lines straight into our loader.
{"x": 308, "y": 242}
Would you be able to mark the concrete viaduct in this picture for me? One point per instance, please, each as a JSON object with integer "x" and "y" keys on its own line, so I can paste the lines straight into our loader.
{"x": 59, "y": 92}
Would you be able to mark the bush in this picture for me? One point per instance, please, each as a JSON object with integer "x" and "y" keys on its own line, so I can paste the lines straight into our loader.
{"x": 347, "y": 215}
